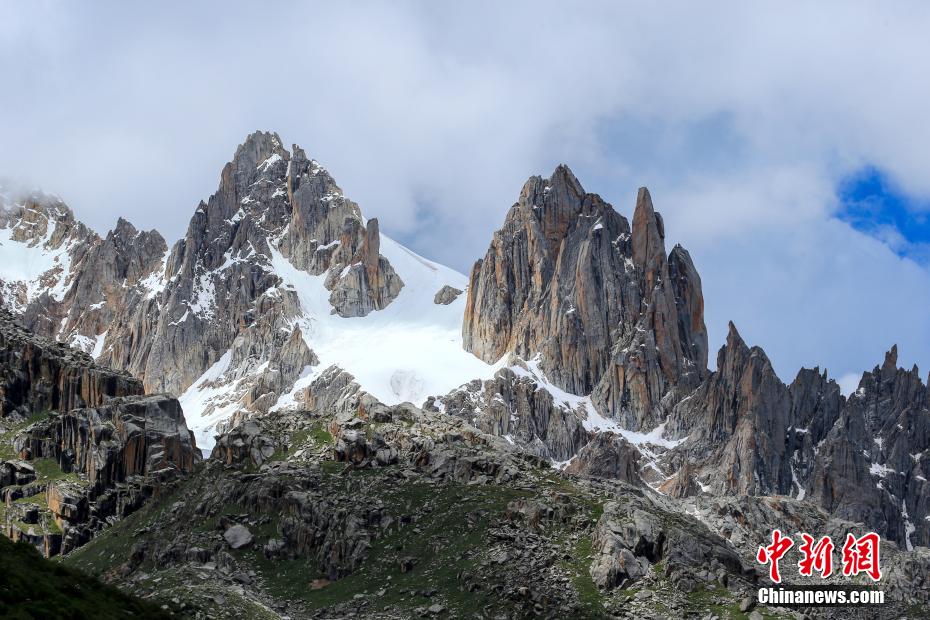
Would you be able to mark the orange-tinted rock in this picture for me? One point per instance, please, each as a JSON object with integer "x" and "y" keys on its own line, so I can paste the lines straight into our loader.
{"x": 566, "y": 278}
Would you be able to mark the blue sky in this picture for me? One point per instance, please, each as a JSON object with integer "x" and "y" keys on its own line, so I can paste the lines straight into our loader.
{"x": 786, "y": 146}
{"x": 872, "y": 203}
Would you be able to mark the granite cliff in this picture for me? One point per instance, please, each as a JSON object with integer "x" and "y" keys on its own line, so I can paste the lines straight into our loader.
{"x": 561, "y": 391}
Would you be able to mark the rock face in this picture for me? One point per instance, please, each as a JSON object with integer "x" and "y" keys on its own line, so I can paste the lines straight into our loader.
{"x": 446, "y": 295}
{"x": 104, "y": 447}
{"x": 512, "y": 405}
{"x": 243, "y": 444}
{"x": 567, "y": 279}
{"x": 77, "y": 284}
{"x": 633, "y": 534}
{"x": 871, "y": 466}
{"x": 598, "y": 331}
{"x": 42, "y": 375}
{"x": 744, "y": 432}
{"x": 608, "y": 456}
{"x": 736, "y": 423}
{"x": 131, "y": 436}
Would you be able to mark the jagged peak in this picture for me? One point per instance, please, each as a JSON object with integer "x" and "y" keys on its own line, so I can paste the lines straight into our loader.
{"x": 125, "y": 232}
{"x": 564, "y": 177}
{"x": 735, "y": 355}
{"x": 644, "y": 198}
{"x": 562, "y": 187}
{"x": 824, "y": 376}
{"x": 646, "y": 215}
{"x": 733, "y": 336}
{"x": 124, "y": 228}
{"x": 891, "y": 359}
{"x": 734, "y": 346}
{"x": 20, "y": 202}
{"x": 303, "y": 165}
{"x": 257, "y": 148}
{"x": 648, "y": 239}
{"x": 260, "y": 139}
{"x": 680, "y": 253}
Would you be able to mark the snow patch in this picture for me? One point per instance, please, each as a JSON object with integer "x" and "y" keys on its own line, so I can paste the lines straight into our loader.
{"x": 880, "y": 470}
{"x": 204, "y": 297}
{"x": 98, "y": 344}
{"x": 154, "y": 283}
{"x": 34, "y": 266}
{"x": 908, "y": 526}
{"x": 270, "y": 161}
{"x": 209, "y": 401}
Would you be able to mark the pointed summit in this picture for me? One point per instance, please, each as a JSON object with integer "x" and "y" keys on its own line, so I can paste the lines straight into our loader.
{"x": 648, "y": 238}
{"x": 564, "y": 181}
{"x": 733, "y": 337}
{"x": 123, "y": 229}
{"x": 891, "y": 359}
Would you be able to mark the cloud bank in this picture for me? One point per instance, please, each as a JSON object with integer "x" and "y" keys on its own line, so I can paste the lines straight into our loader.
{"x": 741, "y": 119}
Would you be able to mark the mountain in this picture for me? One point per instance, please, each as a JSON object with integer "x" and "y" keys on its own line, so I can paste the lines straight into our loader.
{"x": 277, "y": 278}
{"x": 80, "y": 445}
{"x": 307, "y": 349}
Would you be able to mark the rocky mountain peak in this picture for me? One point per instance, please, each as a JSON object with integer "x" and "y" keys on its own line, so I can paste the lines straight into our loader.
{"x": 566, "y": 278}
{"x": 735, "y": 352}
{"x": 124, "y": 229}
{"x": 553, "y": 204}
{"x": 686, "y": 285}
{"x": 890, "y": 365}
{"x": 37, "y": 218}
{"x": 648, "y": 241}
{"x": 255, "y": 151}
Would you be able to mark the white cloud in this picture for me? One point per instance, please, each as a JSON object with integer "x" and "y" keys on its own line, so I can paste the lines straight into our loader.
{"x": 741, "y": 119}
{"x": 849, "y": 383}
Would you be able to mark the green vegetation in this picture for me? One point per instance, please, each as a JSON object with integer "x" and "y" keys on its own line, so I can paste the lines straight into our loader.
{"x": 48, "y": 470}
{"x": 32, "y": 587}
{"x": 722, "y": 603}
{"x": 582, "y": 556}
{"x": 46, "y": 522}
{"x": 440, "y": 546}
{"x": 320, "y": 435}
{"x": 308, "y": 438}
{"x": 8, "y": 433}
{"x": 113, "y": 545}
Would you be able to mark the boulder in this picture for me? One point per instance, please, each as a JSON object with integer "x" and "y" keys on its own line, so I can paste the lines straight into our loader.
{"x": 238, "y": 536}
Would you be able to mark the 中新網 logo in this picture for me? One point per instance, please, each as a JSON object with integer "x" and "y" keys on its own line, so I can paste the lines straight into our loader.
{"x": 859, "y": 555}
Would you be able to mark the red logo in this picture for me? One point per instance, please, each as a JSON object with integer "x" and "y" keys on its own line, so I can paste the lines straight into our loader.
{"x": 817, "y": 557}
{"x": 860, "y": 555}
{"x": 773, "y": 553}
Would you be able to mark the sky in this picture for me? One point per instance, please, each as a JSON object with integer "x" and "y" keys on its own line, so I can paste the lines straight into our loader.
{"x": 786, "y": 145}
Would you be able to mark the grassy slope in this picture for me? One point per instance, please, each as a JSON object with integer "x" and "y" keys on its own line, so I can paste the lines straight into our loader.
{"x": 33, "y": 587}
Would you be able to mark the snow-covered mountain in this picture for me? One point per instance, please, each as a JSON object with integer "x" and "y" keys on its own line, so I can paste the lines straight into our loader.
{"x": 577, "y": 337}
{"x": 278, "y": 278}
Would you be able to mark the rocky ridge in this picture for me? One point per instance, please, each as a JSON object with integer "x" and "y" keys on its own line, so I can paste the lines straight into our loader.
{"x": 397, "y": 512}
{"x": 588, "y": 338}
{"x": 601, "y": 304}
{"x": 80, "y": 445}
{"x": 167, "y": 317}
